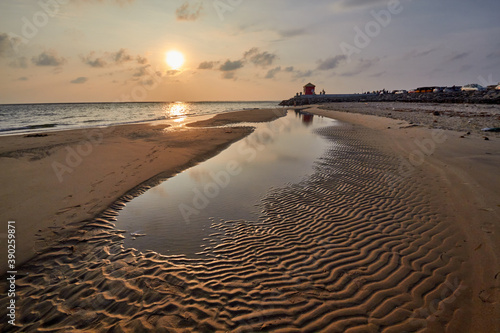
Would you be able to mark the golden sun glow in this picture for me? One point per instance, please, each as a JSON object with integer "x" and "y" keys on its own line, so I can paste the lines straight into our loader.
{"x": 177, "y": 111}
{"x": 174, "y": 59}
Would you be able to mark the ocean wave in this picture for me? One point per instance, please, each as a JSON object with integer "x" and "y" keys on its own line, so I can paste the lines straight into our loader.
{"x": 93, "y": 121}
{"x": 35, "y": 118}
{"x": 43, "y": 126}
{"x": 29, "y": 127}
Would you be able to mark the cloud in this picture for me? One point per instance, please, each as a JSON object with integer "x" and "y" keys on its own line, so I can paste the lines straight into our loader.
{"x": 23, "y": 78}
{"x": 458, "y": 56}
{"x": 228, "y": 75}
{"x": 416, "y": 54}
{"x": 231, "y": 65}
{"x": 98, "y": 62}
{"x": 292, "y": 32}
{"x": 20, "y": 62}
{"x": 301, "y": 74}
{"x": 188, "y": 12}
{"x": 79, "y": 80}
{"x": 330, "y": 63}
{"x": 262, "y": 59}
{"x": 272, "y": 72}
{"x": 207, "y": 64}
{"x": 362, "y": 66}
{"x": 8, "y": 45}
{"x": 357, "y": 4}
{"x": 254, "y": 55}
{"x": 141, "y": 71}
{"x": 111, "y": 58}
{"x": 121, "y": 56}
{"x": 92, "y": 61}
{"x": 379, "y": 74}
{"x": 141, "y": 60}
{"x": 173, "y": 72}
{"x": 148, "y": 82}
{"x": 5, "y": 45}
{"x": 48, "y": 58}
{"x": 493, "y": 55}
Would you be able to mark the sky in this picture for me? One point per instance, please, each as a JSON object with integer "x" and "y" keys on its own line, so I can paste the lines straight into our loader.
{"x": 57, "y": 51}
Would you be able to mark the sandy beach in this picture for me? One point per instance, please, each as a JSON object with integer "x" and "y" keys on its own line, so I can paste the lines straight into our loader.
{"x": 396, "y": 231}
{"x": 62, "y": 177}
{"x": 193, "y": 166}
{"x": 458, "y": 163}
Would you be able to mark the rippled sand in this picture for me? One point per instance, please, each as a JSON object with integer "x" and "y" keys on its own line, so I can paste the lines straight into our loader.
{"x": 353, "y": 248}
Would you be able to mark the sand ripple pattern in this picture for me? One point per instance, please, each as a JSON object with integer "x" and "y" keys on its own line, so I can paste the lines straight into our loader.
{"x": 354, "y": 248}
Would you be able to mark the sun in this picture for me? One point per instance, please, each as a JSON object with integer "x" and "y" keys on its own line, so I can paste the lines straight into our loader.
{"x": 174, "y": 59}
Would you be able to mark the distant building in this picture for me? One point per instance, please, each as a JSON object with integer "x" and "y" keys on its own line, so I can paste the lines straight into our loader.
{"x": 309, "y": 89}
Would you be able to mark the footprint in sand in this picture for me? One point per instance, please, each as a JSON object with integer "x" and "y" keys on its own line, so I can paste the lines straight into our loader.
{"x": 489, "y": 295}
{"x": 64, "y": 210}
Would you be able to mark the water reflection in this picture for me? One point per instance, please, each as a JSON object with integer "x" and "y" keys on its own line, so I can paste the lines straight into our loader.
{"x": 177, "y": 110}
{"x": 176, "y": 215}
{"x": 307, "y": 118}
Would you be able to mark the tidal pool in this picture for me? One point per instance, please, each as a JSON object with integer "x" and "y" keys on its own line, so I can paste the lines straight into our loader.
{"x": 174, "y": 217}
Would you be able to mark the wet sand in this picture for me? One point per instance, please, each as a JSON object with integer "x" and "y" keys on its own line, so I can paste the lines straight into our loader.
{"x": 461, "y": 171}
{"x": 51, "y": 181}
{"x": 381, "y": 238}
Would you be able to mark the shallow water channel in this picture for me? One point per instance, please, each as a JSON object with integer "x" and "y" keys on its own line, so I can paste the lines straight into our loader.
{"x": 174, "y": 217}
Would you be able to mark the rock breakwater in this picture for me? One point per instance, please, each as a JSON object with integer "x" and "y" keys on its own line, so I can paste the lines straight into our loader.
{"x": 474, "y": 97}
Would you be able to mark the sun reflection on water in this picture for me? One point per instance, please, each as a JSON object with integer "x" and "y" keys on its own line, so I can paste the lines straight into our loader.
{"x": 177, "y": 110}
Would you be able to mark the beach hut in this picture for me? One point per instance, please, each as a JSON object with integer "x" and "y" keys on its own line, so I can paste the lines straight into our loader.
{"x": 309, "y": 89}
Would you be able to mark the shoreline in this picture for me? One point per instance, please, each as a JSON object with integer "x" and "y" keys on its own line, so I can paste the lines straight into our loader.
{"x": 148, "y": 112}
{"x": 71, "y": 176}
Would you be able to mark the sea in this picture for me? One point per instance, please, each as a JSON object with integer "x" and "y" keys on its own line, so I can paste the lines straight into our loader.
{"x": 35, "y": 118}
